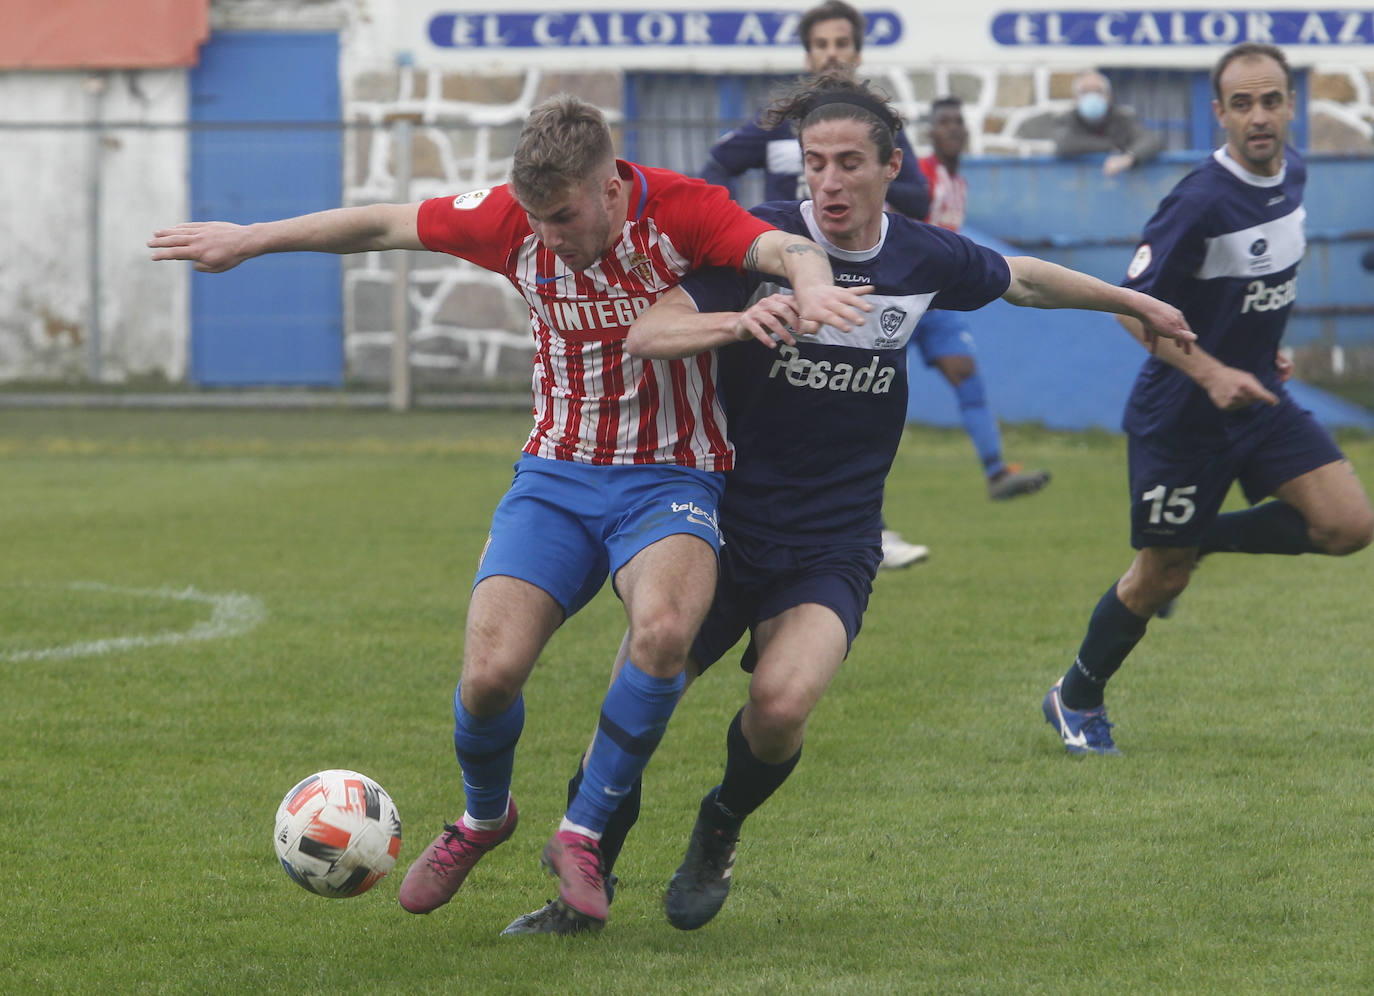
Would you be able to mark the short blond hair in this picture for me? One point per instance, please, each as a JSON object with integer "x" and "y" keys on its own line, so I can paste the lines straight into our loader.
{"x": 565, "y": 142}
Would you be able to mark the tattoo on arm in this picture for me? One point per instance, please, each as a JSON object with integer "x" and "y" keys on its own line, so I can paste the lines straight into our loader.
{"x": 751, "y": 256}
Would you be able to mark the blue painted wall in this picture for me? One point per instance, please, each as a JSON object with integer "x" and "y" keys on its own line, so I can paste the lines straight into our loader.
{"x": 254, "y": 157}
{"x": 1073, "y": 370}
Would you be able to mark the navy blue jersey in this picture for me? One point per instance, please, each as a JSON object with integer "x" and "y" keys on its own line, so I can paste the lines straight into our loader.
{"x": 1223, "y": 247}
{"x": 816, "y": 425}
{"x": 777, "y": 152}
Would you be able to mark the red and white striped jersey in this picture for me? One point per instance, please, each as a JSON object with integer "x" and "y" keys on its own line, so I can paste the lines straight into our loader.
{"x": 593, "y": 402}
{"x": 948, "y": 194}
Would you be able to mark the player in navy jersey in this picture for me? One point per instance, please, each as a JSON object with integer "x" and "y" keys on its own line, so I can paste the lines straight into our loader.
{"x": 621, "y": 475}
{"x": 1224, "y": 246}
{"x": 832, "y": 34}
{"x": 817, "y": 419}
{"x": 943, "y": 339}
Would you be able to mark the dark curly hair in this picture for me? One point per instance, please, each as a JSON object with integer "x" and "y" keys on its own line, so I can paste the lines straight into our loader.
{"x": 837, "y": 98}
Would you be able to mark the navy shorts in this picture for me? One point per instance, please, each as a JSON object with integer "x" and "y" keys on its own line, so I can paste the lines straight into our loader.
{"x": 566, "y": 526}
{"x": 942, "y": 333}
{"x": 760, "y": 579}
{"x": 1176, "y": 491}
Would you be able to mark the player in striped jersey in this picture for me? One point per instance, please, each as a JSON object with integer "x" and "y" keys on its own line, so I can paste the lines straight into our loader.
{"x": 817, "y": 419}
{"x": 1224, "y": 246}
{"x": 620, "y": 476}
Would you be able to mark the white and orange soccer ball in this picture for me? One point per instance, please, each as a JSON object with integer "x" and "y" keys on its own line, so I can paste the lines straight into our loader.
{"x": 338, "y": 833}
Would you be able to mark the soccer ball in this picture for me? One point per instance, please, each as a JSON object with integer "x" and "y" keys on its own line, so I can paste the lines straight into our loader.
{"x": 338, "y": 833}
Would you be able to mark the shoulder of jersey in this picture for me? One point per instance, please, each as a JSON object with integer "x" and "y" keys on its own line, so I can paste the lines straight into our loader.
{"x": 782, "y": 214}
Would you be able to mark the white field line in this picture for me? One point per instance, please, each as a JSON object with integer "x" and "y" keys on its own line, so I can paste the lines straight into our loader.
{"x": 230, "y": 615}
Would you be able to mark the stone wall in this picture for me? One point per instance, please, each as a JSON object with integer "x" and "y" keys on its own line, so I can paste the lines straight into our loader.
{"x": 468, "y": 325}
{"x": 465, "y": 325}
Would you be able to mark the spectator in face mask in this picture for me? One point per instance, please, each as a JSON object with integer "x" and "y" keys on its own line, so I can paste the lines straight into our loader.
{"x": 1097, "y": 125}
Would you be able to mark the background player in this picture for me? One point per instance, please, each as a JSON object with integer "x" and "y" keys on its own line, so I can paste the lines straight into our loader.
{"x": 942, "y": 338}
{"x": 832, "y": 36}
{"x": 817, "y": 420}
{"x": 1224, "y": 246}
{"x": 620, "y": 474}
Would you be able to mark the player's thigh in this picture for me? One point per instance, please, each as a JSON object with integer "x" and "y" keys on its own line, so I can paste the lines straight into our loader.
{"x": 1334, "y": 503}
{"x": 663, "y": 555}
{"x": 807, "y": 625}
{"x": 1176, "y": 492}
{"x": 1299, "y": 463}
{"x": 675, "y": 575}
{"x": 799, "y": 653}
{"x": 943, "y": 337}
{"x": 546, "y": 532}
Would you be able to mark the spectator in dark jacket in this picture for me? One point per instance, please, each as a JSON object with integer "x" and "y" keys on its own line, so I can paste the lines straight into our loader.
{"x": 1098, "y": 124}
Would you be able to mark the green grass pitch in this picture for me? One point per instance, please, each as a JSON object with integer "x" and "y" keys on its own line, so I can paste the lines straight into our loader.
{"x": 197, "y": 609}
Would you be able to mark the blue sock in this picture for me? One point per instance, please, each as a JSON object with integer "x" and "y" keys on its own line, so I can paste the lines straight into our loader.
{"x": 633, "y": 718}
{"x": 486, "y": 752}
{"x": 618, "y": 827}
{"x": 1270, "y": 527}
{"x": 1113, "y": 632}
{"x": 979, "y": 423}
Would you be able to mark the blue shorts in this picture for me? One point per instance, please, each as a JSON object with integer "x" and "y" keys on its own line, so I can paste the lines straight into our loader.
{"x": 1176, "y": 491}
{"x": 942, "y": 333}
{"x": 760, "y": 579}
{"x": 566, "y": 526}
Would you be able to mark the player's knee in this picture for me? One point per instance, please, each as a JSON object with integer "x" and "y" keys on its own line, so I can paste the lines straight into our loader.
{"x": 662, "y": 641}
{"x": 1339, "y": 539}
{"x": 779, "y": 719}
{"x": 488, "y": 688}
{"x": 956, "y": 369}
{"x": 1158, "y": 585}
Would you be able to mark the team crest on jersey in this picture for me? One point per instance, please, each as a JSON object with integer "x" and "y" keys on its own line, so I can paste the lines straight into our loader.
{"x": 642, "y": 267}
{"x": 1140, "y": 262}
{"x": 468, "y": 201}
{"x": 891, "y": 323}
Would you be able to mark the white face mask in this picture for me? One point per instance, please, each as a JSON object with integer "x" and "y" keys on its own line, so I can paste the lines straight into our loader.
{"x": 1092, "y": 107}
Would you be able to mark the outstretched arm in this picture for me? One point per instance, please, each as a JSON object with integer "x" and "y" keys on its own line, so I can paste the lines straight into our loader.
{"x": 807, "y": 269}
{"x": 1038, "y": 283}
{"x": 672, "y": 327}
{"x": 216, "y": 246}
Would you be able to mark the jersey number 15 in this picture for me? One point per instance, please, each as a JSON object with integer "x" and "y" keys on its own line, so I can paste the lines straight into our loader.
{"x": 1174, "y": 507}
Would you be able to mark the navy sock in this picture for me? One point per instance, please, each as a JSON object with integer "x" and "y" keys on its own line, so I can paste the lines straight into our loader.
{"x": 1113, "y": 632}
{"x": 748, "y": 782}
{"x": 634, "y": 715}
{"x": 486, "y": 752}
{"x": 1269, "y": 527}
{"x": 618, "y": 827}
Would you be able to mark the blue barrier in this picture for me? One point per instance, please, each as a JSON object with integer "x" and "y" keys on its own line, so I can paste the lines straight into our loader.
{"x": 1072, "y": 369}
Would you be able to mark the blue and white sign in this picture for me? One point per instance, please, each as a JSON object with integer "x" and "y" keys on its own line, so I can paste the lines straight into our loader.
{"x": 730, "y": 36}
{"x": 1166, "y": 27}
{"x": 620, "y": 29}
